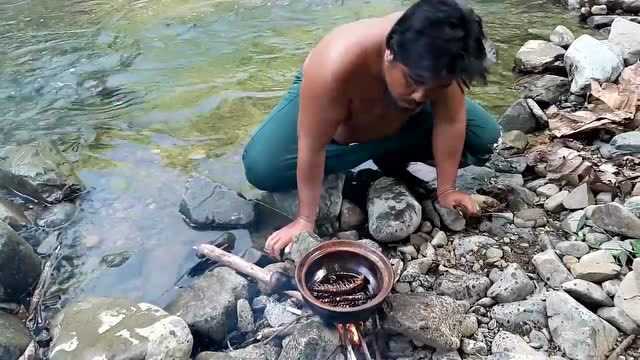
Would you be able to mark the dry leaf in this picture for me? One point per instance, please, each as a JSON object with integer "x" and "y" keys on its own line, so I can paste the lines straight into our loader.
{"x": 564, "y": 123}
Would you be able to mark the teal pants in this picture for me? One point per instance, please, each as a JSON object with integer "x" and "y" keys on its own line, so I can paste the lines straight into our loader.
{"x": 270, "y": 157}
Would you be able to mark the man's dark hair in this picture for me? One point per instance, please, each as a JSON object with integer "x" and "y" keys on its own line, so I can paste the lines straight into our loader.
{"x": 440, "y": 40}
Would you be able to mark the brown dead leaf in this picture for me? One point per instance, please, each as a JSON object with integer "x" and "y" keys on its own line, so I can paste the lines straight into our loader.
{"x": 565, "y": 123}
{"x": 617, "y": 97}
{"x": 630, "y": 79}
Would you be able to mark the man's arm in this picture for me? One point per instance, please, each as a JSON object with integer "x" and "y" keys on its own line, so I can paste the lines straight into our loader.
{"x": 450, "y": 123}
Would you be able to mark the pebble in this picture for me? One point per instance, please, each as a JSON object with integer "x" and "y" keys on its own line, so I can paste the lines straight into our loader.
{"x": 611, "y": 287}
{"x": 555, "y": 202}
{"x": 595, "y": 272}
{"x": 469, "y": 325}
{"x": 536, "y": 184}
{"x": 574, "y": 222}
{"x": 494, "y": 253}
{"x": 587, "y": 293}
{"x": 409, "y": 250}
{"x": 548, "y": 190}
{"x": 569, "y": 261}
{"x": 418, "y": 239}
{"x": 604, "y": 198}
{"x": 245, "y": 316}
{"x": 426, "y": 227}
{"x": 538, "y": 340}
{"x": 471, "y": 347}
{"x": 486, "y": 302}
{"x": 579, "y": 198}
{"x": 595, "y": 239}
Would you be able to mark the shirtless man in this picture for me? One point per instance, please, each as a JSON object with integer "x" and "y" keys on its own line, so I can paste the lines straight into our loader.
{"x": 390, "y": 89}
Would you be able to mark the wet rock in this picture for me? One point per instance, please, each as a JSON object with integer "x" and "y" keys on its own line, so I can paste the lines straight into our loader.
{"x": 633, "y": 205}
{"x": 471, "y": 244}
{"x": 611, "y": 287}
{"x": 440, "y": 240}
{"x": 469, "y": 325}
{"x": 587, "y": 59}
{"x": 551, "y": 269}
{"x": 117, "y": 328}
{"x": 628, "y": 296}
{"x": 618, "y": 318}
{"x": 472, "y": 347}
{"x": 13, "y": 215}
{"x": 277, "y": 314}
{"x": 579, "y": 333}
{"x": 574, "y": 222}
{"x": 468, "y": 287}
{"x": 245, "y": 316}
{"x": 329, "y": 208}
{"x": 48, "y": 173}
{"x": 513, "y": 284}
{"x": 15, "y": 337}
{"x": 530, "y": 218}
{"x": 595, "y": 239}
{"x": 351, "y": 216}
{"x": 267, "y": 351}
{"x": 517, "y": 315}
{"x": 301, "y": 245}
{"x": 451, "y": 218}
{"x": 20, "y": 267}
{"x": 555, "y": 202}
{"x": 394, "y": 213}
{"x": 209, "y": 205}
{"x": 561, "y": 36}
{"x": 544, "y": 89}
{"x": 518, "y": 117}
{"x": 432, "y": 320}
{"x": 57, "y": 215}
{"x": 587, "y": 293}
{"x": 516, "y": 139}
{"x": 579, "y": 198}
{"x": 616, "y": 219}
{"x": 626, "y": 35}
{"x": 573, "y": 248}
{"x": 214, "y": 318}
{"x": 508, "y": 343}
{"x": 538, "y": 56}
{"x": 548, "y": 190}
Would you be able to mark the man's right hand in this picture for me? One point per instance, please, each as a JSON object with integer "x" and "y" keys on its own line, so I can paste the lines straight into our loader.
{"x": 283, "y": 237}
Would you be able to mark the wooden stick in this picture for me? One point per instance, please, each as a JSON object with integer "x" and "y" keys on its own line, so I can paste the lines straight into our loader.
{"x": 235, "y": 262}
{"x": 620, "y": 349}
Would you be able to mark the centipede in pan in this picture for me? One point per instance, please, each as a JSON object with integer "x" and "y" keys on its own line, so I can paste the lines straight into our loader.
{"x": 341, "y": 289}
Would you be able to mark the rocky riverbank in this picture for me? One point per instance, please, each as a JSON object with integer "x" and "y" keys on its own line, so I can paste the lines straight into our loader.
{"x": 549, "y": 270}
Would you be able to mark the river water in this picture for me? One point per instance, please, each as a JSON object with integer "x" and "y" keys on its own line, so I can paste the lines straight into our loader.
{"x": 142, "y": 93}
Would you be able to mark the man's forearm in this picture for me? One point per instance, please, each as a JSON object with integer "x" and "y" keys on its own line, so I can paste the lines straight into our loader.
{"x": 448, "y": 142}
{"x": 310, "y": 174}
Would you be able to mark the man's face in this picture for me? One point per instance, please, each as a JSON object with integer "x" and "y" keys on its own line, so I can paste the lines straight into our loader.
{"x": 408, "y": 93}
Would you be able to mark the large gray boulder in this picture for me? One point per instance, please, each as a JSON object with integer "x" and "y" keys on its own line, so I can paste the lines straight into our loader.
{"x": 20, "y": 267}
{"x": 431, "y": 320}
{"x": 208, "y": 305}
{"x": 617, "y": 219}
{"x": 513, "y": 285}
{"x": 626, "y": 35}
{"x": 394, "y": 213}
{"x": 102, "y": 328}
{"x": 41, "y": 169}
{"x": 537, "y": 56}
{"x": 210, "y": 205}
{"x": 15, "y": 337}
{"x": 517, "y": 315}
{"x": 267, "y": 351}
{"x": 544, "y": 89}
{"x": 589, "y": 59}
{"x": 627, "y": 143}
{"x": 580, "y": 334}
{"x": 519, "y": 117}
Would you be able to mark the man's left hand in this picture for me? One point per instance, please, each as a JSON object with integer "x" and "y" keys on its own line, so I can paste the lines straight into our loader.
{"x": 459, "y": 200}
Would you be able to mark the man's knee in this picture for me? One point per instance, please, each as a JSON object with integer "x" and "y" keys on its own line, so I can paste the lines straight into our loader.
{"x": 483, "y": 137}
{"x": 263, "y": 173}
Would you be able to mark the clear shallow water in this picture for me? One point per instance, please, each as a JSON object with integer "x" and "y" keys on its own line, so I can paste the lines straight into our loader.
{"x": 142, "y": 93}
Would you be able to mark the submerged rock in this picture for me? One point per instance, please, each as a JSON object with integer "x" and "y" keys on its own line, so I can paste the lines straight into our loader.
{"x": 117, "y": 328}
{"x": 48, "y": 174}
{"x": 394, "y": 213}
{"x": 538, "y": 56}
{"x": 216, "y": 316}
{"x": 432, "y": 320}
{"x": 15, "y": 337}
{"x": 581, "y": 334}
{"x": 589, "y": 59}
{"x": 20, "y": 267}
{"x": 210, "y": 205}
